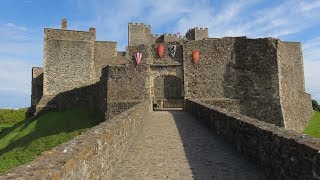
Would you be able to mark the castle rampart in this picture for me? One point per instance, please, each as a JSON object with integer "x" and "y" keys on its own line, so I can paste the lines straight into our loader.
{"x": 249, "y": 91}
{"x": 280, "y": 153}
{"x": 260, "y": 78}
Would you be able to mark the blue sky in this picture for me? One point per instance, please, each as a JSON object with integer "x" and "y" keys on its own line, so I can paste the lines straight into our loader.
{"x": 22, "y": 23}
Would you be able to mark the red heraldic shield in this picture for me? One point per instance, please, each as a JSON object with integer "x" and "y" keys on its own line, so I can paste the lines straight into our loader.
{"x": 160, "y": 50}
{"x": 138, "y": 57}
{"x": 195, "y": 56}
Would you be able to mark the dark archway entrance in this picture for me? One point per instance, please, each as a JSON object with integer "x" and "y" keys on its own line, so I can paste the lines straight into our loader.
{"x": 168, "y": 92}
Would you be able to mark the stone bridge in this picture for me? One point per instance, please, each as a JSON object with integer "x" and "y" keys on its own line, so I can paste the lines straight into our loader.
{"x": 173, "y": 145}
{"x": 201, "y": 142}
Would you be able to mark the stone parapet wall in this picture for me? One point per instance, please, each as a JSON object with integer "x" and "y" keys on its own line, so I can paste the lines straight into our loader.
{"x": 117, "y": 107}
{"x": 91, "y": 155}
{"x": 69, "y": 35}
{"x": 232, "y": 105}
{"x": 281, "y": 153}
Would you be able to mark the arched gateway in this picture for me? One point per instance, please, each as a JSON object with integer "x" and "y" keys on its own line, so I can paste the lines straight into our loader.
{"x": 167, "y": 92}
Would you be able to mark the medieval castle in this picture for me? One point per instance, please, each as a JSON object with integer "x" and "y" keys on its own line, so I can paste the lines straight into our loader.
{"x": 260, "y": 78}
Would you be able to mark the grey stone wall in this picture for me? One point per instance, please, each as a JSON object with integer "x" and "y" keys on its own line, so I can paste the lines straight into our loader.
{"x": 232, "y": 105}
{"x": 167, "y": 59}
{"x": 36, "y": 86}
{"x": 126, "y": 84}
{"x": 91, "y": 155}
{"x": 213, "y": 76}
{"x": 280, "y": 153}
{"x": 295, "y": 103}
{"x": 257, "y": 85}
{"x": 197, "y": 33}
{"x": 201, "y": 33}
{"x": 86, "y": 96}
{"x": 68, "y": 60}
{"x": 171, "y": 38}
{"x": 105, "y": 53}
{"x": 139, "y": 33}
{"x": 168, "y": 87}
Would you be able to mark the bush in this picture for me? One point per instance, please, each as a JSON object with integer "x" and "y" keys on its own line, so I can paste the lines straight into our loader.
{"x": 315, "y": 105}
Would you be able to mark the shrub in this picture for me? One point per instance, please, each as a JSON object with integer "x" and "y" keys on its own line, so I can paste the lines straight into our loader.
{"x": 315, "y": 105}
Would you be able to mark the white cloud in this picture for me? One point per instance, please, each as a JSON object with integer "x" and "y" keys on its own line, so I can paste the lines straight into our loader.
{"x": 13, "y": 26}
{"x": 311, "y": 53}
{"x": 18, "y": 47}
{"x": 15, "y": 76}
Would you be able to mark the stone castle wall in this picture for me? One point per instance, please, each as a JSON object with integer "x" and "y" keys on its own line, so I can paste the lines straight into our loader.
{"x": 68, "y": 60}
{"x": 212, "y": 77}
{"x": 296, "y": 106}
{"x": 139, "y": 33}
{"x": 105, "y": 53}
{"x": 92, "y": 155}
{"x": 126, "y": 85}
{"x": 36, "y": 86}
{"x": 167, "y": 59}
{"x": 257, "y": 85}
{"x": 243, "y": 73}
{"x": 280, "y": 153}
{"x": 249, "y": 72}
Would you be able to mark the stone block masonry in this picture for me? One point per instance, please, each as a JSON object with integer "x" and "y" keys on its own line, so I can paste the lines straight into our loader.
{"x": 91, "y": 155}
{"x": 37, "y": 85}
{"x": 280, "y": 153}
{"x": 260, "y": 78}
{"x": 68, "y": 60}
{"x": 296, "y": 106}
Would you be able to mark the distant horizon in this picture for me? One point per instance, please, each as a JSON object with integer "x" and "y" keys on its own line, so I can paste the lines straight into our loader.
{"x": 22, "y": 24}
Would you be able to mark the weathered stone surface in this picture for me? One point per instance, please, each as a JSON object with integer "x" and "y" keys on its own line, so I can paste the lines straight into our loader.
{"x": 68, "y": 61}
{"x": 91, "y": 155}
{"x": 295, "y": 103}
{"x": 263, "y": 76}
{"x": 126, "y": 86}
{"x": 173, "y": 145}
{"x": 281, "y": 153}
{"x": 36, "y": 90}
{"x": 259, "y": 78}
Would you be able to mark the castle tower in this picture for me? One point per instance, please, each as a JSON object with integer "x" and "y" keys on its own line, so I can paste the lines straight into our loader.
{"x": 138, "y": 33}
{"x": 197, "y": 33}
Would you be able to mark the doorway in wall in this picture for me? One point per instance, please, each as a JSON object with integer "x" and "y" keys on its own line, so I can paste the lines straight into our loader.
{"x": 167, "y": 92}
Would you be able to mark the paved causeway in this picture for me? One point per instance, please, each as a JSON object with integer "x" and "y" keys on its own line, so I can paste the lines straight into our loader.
{"x": 172, "y": 145}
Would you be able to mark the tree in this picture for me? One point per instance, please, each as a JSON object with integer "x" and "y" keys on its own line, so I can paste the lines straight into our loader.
{"x": 315, "y": 105}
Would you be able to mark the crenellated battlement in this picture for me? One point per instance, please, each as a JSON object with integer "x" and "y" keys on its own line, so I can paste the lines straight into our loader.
{"x": 139, "y": 33}
{"x": 156, "y": 35}
{"x": 197, "y": 33}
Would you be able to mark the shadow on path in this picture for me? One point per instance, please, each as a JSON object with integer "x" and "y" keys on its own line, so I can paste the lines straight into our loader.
{"x": 208, "y": 156}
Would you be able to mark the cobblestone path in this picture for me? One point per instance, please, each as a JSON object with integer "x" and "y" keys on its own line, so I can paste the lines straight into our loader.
{"x": 172, "y": 145}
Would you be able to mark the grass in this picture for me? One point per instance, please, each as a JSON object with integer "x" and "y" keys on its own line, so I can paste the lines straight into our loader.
{"x": 313, "y": 128}
{"x": 12, "y": 116}
{"x": 27, "y": 139}
{"x": 3, "y": 127}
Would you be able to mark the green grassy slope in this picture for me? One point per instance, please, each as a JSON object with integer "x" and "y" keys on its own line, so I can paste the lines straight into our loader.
{"x": 11, "y": 116}
{"x": 313, "y": 128}
{"x": 27, "y": 139}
